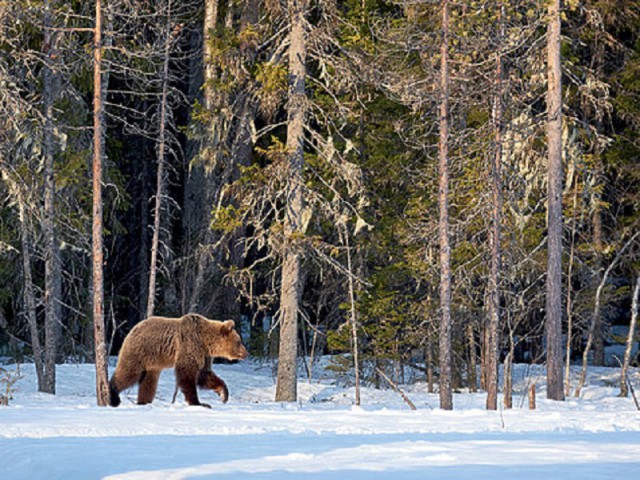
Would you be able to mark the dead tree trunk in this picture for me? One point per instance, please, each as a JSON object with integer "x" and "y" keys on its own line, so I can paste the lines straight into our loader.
{"x": 555, "y": 387}
{"x": 102, "y": 388}
{"x": 160, "y": 181}
{"x": 624, "y": 388}
{"x": 445, "y": 356}
{"x": 596, "y": 313}
{"x": 28, "y": 292}
{"x": 286, "y": 388}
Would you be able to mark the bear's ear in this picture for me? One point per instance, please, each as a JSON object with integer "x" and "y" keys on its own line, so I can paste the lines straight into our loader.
{"x": 228, "y": 326}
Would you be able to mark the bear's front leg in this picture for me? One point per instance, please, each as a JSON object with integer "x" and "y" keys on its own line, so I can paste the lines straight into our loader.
{"x": 186, "y": 378}
{"x": 210, "y": 381}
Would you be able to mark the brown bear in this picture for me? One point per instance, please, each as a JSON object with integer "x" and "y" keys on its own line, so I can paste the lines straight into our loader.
{"x": 184, "y": 343}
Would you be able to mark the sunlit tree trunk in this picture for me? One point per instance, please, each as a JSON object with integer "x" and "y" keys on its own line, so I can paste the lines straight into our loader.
{"x": 555, "y": 387}
{"x": 445, "y": 356}
{"x": 286, "y": 387}
{"x": 102, "y": 388}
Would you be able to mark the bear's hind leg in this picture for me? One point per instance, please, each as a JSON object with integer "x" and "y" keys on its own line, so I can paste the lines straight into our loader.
{"x": 210, "y": 381}
{"x": 148, "y": 387}
{"x": 186, "y": 379}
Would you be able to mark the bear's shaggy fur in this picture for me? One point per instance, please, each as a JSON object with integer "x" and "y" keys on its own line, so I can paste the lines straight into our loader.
{"x": 183, "y": 343}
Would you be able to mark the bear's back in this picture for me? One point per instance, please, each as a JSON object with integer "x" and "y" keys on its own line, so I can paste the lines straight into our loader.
{"x": 155, "y": 341}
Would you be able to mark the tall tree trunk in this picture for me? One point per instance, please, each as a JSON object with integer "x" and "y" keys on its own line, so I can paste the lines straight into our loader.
{"x": 555, "y": 387}
{"x": 286, "y": 387}
{"x": 202, "y": 181}
{"x": 160, "y": 181}
{"x": 445, "y": 355}
{"x": 102, "y": 387}
{"x": 52, "y": 275}
{"x": 242, "y": 149}
{"x": 624, "y": 388}
{"x": 496, "y": 214}
{"x": 201, "y": 185}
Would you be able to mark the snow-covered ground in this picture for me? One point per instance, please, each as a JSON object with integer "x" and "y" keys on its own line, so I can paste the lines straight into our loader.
{"x": 321, "y": 437}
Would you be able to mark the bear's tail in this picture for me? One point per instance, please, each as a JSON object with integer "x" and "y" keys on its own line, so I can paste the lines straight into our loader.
{"x": 114, "y": 397}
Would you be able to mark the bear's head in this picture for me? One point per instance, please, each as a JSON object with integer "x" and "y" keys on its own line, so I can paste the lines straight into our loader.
{"x": 227, "y": 342}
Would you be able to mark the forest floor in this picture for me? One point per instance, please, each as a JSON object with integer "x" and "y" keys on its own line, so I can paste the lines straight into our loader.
{"x": 323, "y": 436}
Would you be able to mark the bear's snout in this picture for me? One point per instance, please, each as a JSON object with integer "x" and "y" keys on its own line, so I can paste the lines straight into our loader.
{"x": 242, "y": 353}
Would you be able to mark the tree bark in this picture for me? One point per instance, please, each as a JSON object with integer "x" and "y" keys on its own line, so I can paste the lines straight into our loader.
{"x": 445, "y": 356}
{"x": 286, "y": 387}
{"x": 555, "y": 387}
{"x": 160, "y": 181}
{"x": 496, "y": 214}
{"x": 624, "y": 388}
{"x": 52, "y": 275}
{"x": 102, "y": 388}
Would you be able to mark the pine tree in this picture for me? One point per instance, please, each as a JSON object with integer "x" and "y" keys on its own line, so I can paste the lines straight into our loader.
{"x": 555, "y": 390}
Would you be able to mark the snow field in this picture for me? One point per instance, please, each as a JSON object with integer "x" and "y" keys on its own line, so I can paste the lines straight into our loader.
{"x": 321, "y": 437}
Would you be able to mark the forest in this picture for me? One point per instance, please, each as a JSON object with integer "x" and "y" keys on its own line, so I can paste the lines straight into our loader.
{"x": 451, "y": 186}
